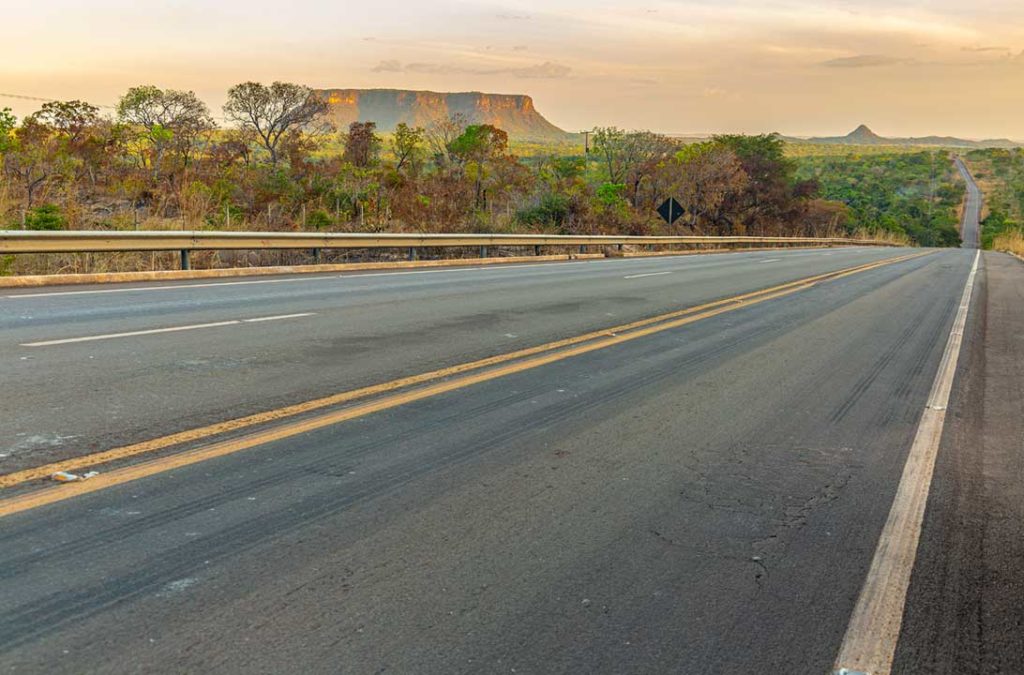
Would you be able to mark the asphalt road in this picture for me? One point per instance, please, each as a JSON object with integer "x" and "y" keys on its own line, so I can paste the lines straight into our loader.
{"x": 354, "y": 330}
{"x": 969, "y": 226}
{"x": 706, "y": 498}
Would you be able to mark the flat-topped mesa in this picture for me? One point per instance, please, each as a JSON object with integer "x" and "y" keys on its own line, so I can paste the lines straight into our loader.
{"x": 514, "y": 113}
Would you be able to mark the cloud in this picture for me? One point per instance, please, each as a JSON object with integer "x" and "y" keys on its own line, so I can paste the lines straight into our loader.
{"x": 865, "y": 61}
{"x": 388, "y": 66}
{"x": 985, "y": 49}
{"x": 549, "y": 70}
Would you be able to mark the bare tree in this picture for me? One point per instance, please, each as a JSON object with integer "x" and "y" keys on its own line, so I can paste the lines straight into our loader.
{"x": 440, "y": 135}
{"x": 166, "y": 118}
{"x": 70, "y": 119}
{"x": 33, "y": 158}
{"x": 710, "y": 179}
{"x": 275, "y": 111}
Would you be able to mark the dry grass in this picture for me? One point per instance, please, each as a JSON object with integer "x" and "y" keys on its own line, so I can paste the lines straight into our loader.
{"x": 1011, "y": 242}
{"x": 895, "y": 238}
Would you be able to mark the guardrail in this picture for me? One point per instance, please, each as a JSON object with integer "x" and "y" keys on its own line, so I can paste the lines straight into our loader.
{"x": 26, "y": 241}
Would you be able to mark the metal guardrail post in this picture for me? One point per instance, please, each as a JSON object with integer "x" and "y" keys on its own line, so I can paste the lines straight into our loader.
{"x": 185, "y": 263}
{"x": 536, "y": 250}
{"x": 316, "y": 256}
{"x": 483, "y": 251}
{"x": 412, "y": 253}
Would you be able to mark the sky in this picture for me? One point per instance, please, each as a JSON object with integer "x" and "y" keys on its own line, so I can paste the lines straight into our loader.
{"x": 802, "y": 67}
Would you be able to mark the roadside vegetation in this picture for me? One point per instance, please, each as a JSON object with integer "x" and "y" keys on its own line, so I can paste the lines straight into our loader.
{"x": 1000, "y": 175}
{"x": 916, "y": 194}
{"x": 160, "y": 161}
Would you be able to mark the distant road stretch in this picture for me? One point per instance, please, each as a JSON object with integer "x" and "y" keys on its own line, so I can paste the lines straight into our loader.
{"x": 969, "y": 226}
{"x": 659, "y": 465}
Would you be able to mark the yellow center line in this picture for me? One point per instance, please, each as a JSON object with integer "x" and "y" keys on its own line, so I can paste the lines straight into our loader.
{"x": 549, "y": 353}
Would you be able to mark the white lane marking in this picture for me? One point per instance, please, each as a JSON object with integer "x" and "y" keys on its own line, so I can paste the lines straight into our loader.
{"x": 347, "y": 275}
{"x": 506, "y": 267}
{"x": 649, "y": 274}
{"x": 770, "y": 260}
{"x": 154, "y": 331}
{"x": 278, "y": 317}
{"x": 353, "y": 275}
{"x": 163, "y": 287}
{"x": 874, "y": 628}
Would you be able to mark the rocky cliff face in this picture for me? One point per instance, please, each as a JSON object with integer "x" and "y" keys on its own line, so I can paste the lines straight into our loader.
{"x": 387, "y": 107}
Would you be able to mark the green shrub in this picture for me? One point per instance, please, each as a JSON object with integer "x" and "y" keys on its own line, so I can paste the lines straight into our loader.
{"x": 552, "y": 209}
{"x": 45, "y": 217}
{"x": 318, "y": 220}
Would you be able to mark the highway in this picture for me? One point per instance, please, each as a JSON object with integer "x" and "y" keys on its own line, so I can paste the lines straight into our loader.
{"x": 675, "y": 464}
{"x": 969, "y": 226}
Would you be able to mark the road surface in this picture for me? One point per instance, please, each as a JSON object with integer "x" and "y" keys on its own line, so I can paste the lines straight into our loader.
{"x": 969, "y": 225}
{"x": 704, "y": 496}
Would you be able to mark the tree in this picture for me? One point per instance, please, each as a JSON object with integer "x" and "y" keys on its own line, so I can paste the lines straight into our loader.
{"x": 33, "y": 158}
{"x": 767, "y": 199}
{"x": 274, "y": 112}
{"x": 407, "y": 145}
{"x": 72, "y": 120}
{"x": 8, "y": 122}
{"x": 167, "y": 119}
{"x": 361, "y": 144}
{"x": 441, "y": 133}
{"x": 478, "y": 144}
{"x": 630, "y": 156}
{"x": 710, "y": 179}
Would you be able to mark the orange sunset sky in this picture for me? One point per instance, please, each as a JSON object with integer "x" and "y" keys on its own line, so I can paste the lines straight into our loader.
{"x": 797, "y": 66}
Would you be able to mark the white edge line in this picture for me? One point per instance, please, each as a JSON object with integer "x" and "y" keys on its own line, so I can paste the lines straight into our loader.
{"x": 109, "y": 336}
{"x": 869, "y": 645}
{"x": 649, "y": 274}
{"x": 153, "y": 331}
{"x": 278, "y": 317}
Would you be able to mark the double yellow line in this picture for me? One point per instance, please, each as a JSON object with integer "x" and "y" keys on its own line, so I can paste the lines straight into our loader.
{"x": 439, "y": 381}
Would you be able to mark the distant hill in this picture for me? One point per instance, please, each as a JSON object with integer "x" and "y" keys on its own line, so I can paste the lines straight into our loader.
{"x": 862, "y": 135}
{"x": 514, "y": 113}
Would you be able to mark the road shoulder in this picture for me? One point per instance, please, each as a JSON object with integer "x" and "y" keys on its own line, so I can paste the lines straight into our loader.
{"x": 964, "y": 613}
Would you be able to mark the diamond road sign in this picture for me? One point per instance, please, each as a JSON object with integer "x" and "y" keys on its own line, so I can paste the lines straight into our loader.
{"x": 670, "y": 210}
